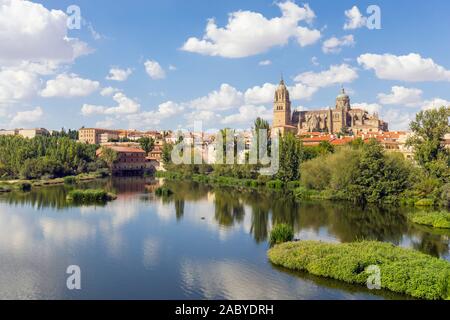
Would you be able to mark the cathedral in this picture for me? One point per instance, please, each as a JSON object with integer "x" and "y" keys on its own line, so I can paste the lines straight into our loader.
{"x": 342, "y": 119}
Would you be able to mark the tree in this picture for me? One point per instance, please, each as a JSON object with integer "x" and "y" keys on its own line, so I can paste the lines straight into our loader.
{"x": 259, "y": 125}
{"x": 147, "y": 144}
{"x": 167, "y": 153}
{"x": 291, "y": 153}
{"x": 429, "y": 130}
{"x": 109, "y": 156}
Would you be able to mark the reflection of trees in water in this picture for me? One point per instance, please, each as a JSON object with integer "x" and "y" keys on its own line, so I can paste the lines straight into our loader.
{"x": 432, "y": 241}
{"x": 228, "y": 207}
{"x": 48, "y": 197}
{"x": 179, "y": 208}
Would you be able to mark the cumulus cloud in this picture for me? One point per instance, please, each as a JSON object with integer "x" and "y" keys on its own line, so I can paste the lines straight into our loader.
{"x": 409, "y": 68}
{"x": 334, "y": 45}
{"x": 225, "y": 98}
{"x": 398, "y": 119}
{"x": 355, "y": 19}
{"x": 154, "y": 70}
{"x": 409, "y": 97}
{"x": 249, "y": 33}
{"x": 69, "y": 85}
{"x": 17, "y": 84}
{"x": 265, "y": 94}
{"x": 247, "y": 114}
{"x": 153, "y": 118}
{"x": 117, "y": 74}
{"x": 27, "y": 117}
{"x": 336, "y": 74}
{"x": 31, "y": 32}
{"x": 369, "y": 107}
{"x": 108, "y": 91}
{"x": 435, "y": 104}
{"x": 124, "y": 105}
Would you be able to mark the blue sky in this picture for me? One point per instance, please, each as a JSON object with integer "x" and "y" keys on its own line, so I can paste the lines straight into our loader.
{"x": 224, "y": 77}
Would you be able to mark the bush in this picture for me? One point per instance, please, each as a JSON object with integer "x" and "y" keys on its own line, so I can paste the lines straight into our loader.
{"x": 424, "y": 203}
{"x": 302, "y": 193}
{"x": 445, "y": 195}
{"x": 24, "y": 186}
{"x": 275, "y": 184}
{"x": 163, "y": 191}
{"x": 90, "y": 196}
{"x": 70, "y": 180}
{"x": 439, "y": 219}
{"x": 291, "y": 185}
{"x": 402, "y": 270}
{"x": 281, "y": 233}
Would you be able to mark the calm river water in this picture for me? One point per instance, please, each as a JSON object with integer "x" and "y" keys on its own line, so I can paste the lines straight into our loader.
{"x": 200, "y": 243}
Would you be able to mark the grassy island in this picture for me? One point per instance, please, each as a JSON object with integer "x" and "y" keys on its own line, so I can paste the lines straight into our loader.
{"x": 437, "y": 219}
{"x": 403, "y": 271}
{"x": 90, "y": 196}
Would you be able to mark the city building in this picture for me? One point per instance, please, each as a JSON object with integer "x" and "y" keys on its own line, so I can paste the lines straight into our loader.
{"x": 343, "y": 118}
{"x": 129, "y": 161}
{"x": 26, "y": 133}
{"x": 94, "y": 135}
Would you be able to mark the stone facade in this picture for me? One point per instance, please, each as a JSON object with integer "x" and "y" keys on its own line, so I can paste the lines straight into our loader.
{"x": 343, "y": 118}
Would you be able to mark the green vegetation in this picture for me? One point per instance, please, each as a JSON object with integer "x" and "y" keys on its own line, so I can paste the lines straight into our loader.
{"x": 147, "y": 144}
{"x": 436, "y": 219}
{"x": 90, "y": 196}
{"x": 109, "y": 156}
{"x": 163, "y": 191}
{"x": 45, "y": 157}
{"x": 281, "y": 233}
{"x": 402, "y": 270}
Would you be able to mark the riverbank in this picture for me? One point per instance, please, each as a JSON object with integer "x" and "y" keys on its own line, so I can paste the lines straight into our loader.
{"x": 402, "y": 270}
{"x": 293, "y": 188}
{"x": 436, "y": 219}
{"x": 26, "y": 185}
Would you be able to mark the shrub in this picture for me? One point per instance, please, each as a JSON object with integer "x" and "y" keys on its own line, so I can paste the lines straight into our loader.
{"x": 70, "y": 180}
{"x": 163, "y": 192}
{"x": 425, "y": 203}
{"x": 275, "y": 184}
{"x": 291, "y": 185}
{"x": 302, "y": 193}
{"x": 439, "y": 219}
{"x": 445, "y": 195}
{"x": 90, "y": 196}
{"x": 24, "y": 186}
{"x": 281, "y": 233}
{"x": 402, "y": 270}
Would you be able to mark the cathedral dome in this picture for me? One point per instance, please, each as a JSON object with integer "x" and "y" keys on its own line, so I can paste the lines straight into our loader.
{"x": 343, "y": 95}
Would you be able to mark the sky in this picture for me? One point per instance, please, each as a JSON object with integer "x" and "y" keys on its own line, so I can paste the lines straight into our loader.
{"x": 163, "y": 65}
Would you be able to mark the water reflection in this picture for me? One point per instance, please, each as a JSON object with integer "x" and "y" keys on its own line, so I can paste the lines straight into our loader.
{"x": 200, "y": 242}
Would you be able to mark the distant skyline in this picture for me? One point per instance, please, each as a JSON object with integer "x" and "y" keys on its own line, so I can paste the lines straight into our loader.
{"x": 163, "y": 64}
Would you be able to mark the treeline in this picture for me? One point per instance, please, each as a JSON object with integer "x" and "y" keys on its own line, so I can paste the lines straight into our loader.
{"x": 361, "y": 172}
{"x": 46, "y": 157}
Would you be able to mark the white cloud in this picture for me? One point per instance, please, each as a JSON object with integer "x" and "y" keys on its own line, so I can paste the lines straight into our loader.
{"x": 265, "y": 63}
{"x": 265, "y": 94}
{"x": 69, "y": 85}
{"x": 154, "y": 70}
{"x": 334, "y": 45}
{"x": 153, "y": 118}
{"x": 117, "y": 74}
{"x": 398, "y": 119}
{"x": 108, "y": 91}
{"x": 248, "y": 33}
{"x": 355, "y": 19}
{"x": 172, "y": 67}
{"x": 16, "y": 84}
{"x": 225, "y": 98}
{"x": 336, "y": 74}
{"x": 27, "y": 117}
{"x": 409, "y": 97}
{"x": 125, "y": 105}
{"x": 31, "y": 32}
{"x": 435, "y": 103}
{"x": 247, "y": 114}
{"x": 369, "y": 107}
{"x": 409, "y": 68}
{"x": 315, "y": 61}
{"x": 107, "y": 123}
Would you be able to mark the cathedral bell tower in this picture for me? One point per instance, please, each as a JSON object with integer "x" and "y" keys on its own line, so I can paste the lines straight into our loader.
{"x": 282, "y": 106}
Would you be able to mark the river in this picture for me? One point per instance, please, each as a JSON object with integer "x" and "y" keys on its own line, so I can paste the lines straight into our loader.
{"x": 200, "y": 243}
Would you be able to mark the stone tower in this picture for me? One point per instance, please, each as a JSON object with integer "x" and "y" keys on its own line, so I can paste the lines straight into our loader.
{"x": 282, "y": 106}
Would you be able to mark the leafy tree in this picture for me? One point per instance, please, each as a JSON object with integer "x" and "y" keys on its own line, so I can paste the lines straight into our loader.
{"x": 429, "y": 130}
{"x": 291, "y": 153}
{"x": 147, "y": 144}
{"x": 167, "y": 153}
{"x": 109, "y": 156}
{"x": 260, "y": 125}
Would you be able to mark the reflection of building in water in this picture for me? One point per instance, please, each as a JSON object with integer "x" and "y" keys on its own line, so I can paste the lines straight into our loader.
{"x": 343, "y": 118}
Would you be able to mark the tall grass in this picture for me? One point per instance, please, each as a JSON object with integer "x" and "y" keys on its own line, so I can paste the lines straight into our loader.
{"x": 402, "y": 270}
{"x": 436, "y": 219}
{"x": 90, "y": 196}
{"x": 281, "y": 233}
